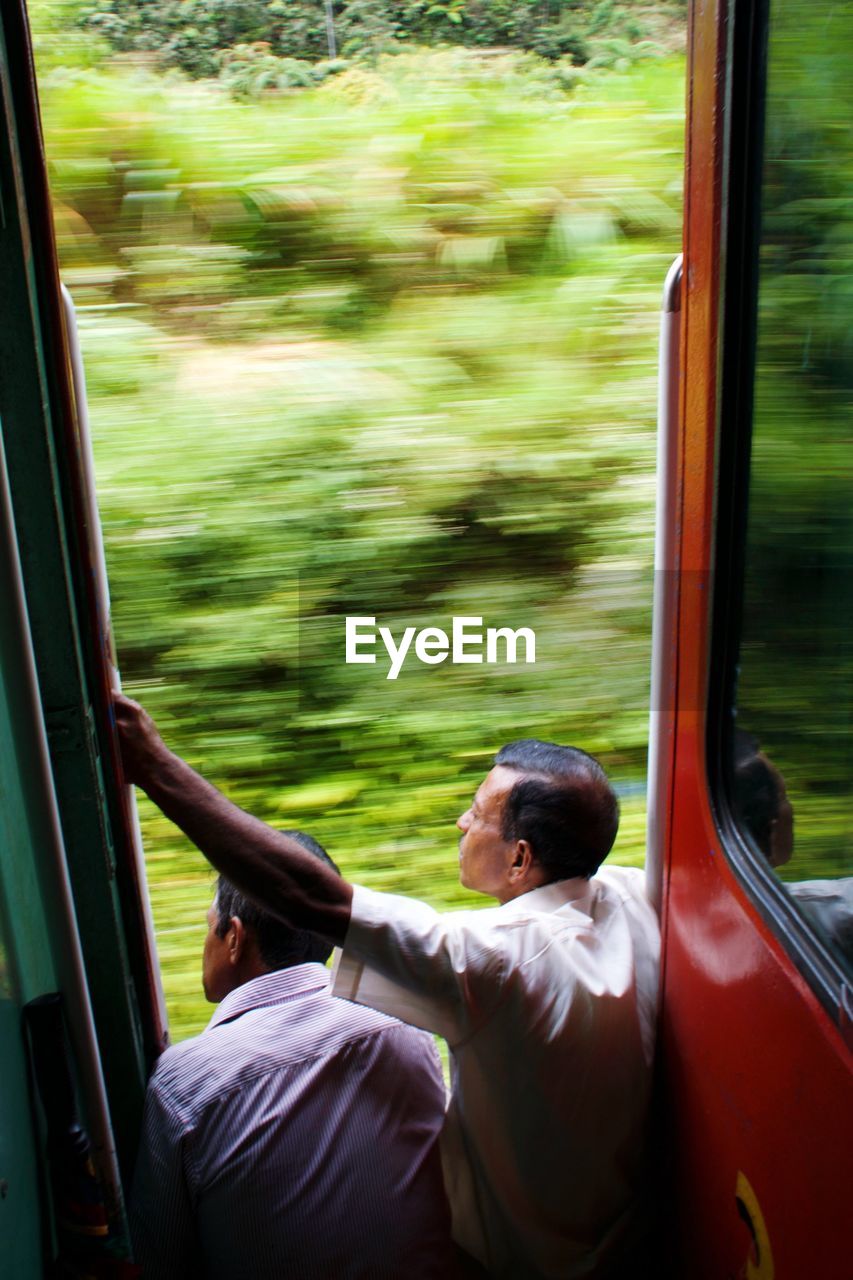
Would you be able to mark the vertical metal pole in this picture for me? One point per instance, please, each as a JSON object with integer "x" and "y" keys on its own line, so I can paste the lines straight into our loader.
{"x": 54, "y": 865}
{"x": 102, "y": 594}
{"x": 665, "y": 584}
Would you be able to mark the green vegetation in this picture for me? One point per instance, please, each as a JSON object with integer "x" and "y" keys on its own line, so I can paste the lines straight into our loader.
{"x": 797, "y": 656}
{"x": 385, "y": 345}
{"x": 198, "y": 35}
{"x": 377, "y": 336}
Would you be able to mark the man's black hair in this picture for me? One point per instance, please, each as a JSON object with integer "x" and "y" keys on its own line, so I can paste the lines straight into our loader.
{"x": 564, "y": 807}
{"x": 279, "y": 945}
{"x": 755, "y": 790}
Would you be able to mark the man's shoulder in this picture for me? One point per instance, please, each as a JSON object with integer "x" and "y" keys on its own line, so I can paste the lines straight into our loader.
{"x": 410, "y": 927}
{"x": 394, "y": 1038}
{"x": 180, "y": 1065}
{"x": 356, "y": 1019}
{"x": 276, "y": 1038}
{"x": 622, "y": 891}
{"x": 180, "y": 1059}
{"x": 379, "y": 910}
{"x": 626, "y": 880}
{"x": 208, "y": 1067}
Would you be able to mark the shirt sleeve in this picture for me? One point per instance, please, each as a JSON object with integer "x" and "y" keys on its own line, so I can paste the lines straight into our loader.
{"x": 161, "y": 1216}
{"x": 441, "y": 972}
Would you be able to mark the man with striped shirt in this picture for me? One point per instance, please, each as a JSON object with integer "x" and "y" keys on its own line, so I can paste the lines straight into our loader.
{"x": 298, "y": 1134}
{"x": 547, "y": 1001}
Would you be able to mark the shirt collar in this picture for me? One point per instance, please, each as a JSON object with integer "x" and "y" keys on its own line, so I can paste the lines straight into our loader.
{"x": 271, "y": 988}
{"x": 550, "y": 897}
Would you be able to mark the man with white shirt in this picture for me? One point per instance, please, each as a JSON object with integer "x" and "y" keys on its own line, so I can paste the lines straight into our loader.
{"x": 298, "y": 1134}
{"x": 547, "y": 1001}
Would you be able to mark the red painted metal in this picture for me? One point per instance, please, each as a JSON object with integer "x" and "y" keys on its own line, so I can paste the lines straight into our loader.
{"x": 757, "y": 1075}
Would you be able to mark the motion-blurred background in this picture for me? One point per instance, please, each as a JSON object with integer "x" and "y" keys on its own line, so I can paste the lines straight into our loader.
{"x": 375, "y": 334}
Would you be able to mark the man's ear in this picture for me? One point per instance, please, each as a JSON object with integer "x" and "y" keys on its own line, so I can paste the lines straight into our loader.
{"x": 522, "y": 859}
{"x": 235, "y": 940}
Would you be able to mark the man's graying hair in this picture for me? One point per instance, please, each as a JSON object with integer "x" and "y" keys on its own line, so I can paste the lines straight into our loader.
{"x": 279, "y": 945}
{"x": 564, "y": 807}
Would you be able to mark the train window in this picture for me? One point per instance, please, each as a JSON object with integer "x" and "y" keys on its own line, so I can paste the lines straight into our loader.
{"x": 791, "y": 757}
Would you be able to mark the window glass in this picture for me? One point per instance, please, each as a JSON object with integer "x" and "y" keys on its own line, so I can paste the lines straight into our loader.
{"x": 793, "y": 761}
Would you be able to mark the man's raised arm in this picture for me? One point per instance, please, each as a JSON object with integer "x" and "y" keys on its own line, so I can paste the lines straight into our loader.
{"x": 267, "y": 866}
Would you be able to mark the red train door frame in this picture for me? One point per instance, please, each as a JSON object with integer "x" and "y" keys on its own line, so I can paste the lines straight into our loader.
{"x": 754, "y": 1059}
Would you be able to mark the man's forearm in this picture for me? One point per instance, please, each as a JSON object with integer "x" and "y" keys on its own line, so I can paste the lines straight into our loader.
{"x": 269, "y": 867}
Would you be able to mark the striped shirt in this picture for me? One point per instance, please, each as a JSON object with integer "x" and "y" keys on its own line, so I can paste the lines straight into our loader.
{"x": 296, "y": 1137}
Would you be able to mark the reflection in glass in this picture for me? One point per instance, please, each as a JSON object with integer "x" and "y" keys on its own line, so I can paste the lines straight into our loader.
{"x": 796, "y": 654}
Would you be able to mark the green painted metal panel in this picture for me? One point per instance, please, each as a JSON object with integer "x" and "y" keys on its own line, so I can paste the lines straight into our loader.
{"x": 33, "y": 448}
{"x": 27, "y": 967}
{"x": 20, "y": 1221}
{"x": 26, "y": 931}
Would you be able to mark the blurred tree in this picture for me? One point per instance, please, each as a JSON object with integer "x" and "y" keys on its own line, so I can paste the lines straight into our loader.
{"x": 383, "y": 345}
{"x": 192, "y": 33}
{"x": 796, "y": 689}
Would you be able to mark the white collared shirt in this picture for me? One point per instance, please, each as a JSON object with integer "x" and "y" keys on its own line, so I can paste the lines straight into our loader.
{"x": 296, "y": 1136}
{"x": 548, "y": 1004}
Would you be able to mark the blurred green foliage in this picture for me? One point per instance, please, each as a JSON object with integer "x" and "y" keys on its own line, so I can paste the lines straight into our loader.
{"x": 384, "y": 346}
{"x": 377, "y": 336}
{"x": 193, "y": 34}
{"x": 796, "y": 688}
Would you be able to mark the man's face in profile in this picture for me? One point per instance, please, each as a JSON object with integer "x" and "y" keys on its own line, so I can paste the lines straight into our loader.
{"x": 484, "y": 854}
